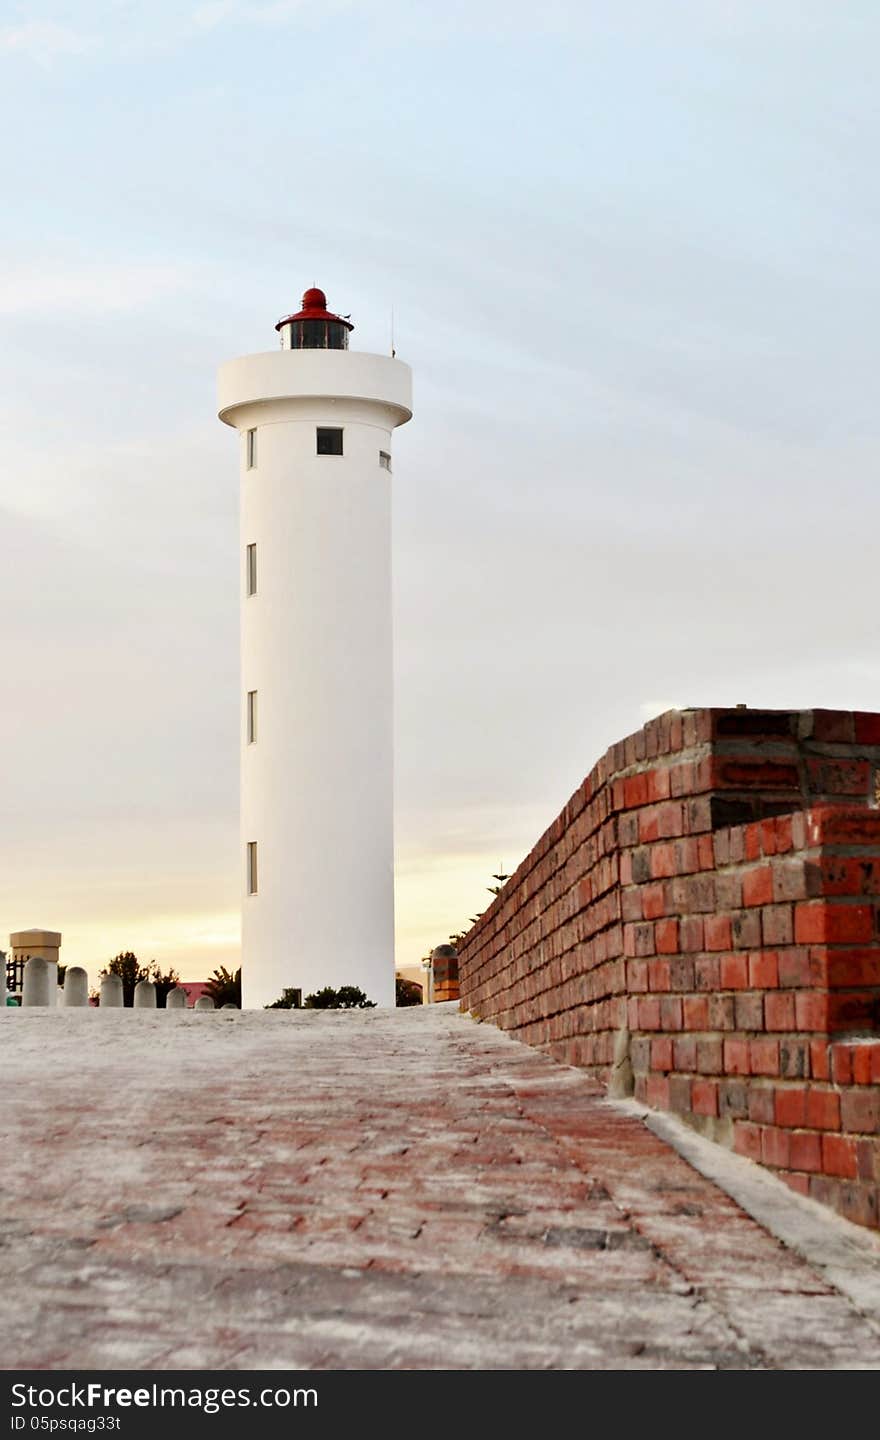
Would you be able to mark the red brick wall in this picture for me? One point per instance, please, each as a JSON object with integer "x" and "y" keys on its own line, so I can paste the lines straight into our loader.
{"x": 713, "y": 887}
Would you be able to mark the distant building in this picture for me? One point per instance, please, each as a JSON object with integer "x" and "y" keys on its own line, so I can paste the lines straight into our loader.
{"x": 25, "y": 945}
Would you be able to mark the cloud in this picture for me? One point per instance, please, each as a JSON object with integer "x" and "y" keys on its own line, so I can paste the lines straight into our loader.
{"x": 49, "y": 287}
{"x": 43, "y": 40}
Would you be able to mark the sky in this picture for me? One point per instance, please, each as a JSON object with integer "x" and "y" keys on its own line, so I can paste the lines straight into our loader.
{"x": 631, "y": 250}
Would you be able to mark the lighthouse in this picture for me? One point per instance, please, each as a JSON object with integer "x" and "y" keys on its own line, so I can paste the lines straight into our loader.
{"x": 315, "y": 422}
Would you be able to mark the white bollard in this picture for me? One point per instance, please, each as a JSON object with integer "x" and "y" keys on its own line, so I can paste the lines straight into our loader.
{"x": 76, "y": 986}
{"x": 204, "y": 1002}
{"x": 39, "y": 978}
{"x": 176, "y": 998}
{"x": 145, "y": 995}
{"x": 230, "y": 1005}
{"x": 111, "y": 991}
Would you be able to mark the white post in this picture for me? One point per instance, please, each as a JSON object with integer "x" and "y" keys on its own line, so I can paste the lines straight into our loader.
{"x": 111, "y": 992}
{"x": 176, "y": 998}
{"x": 76, "y": 986}
{"x": 204, "y": 1002}
{"x": 145, "y": 995}
{"x": 39, "y": 980}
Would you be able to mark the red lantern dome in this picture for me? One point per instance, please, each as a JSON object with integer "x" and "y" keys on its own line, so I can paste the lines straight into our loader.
{"x": 314, "y": 327}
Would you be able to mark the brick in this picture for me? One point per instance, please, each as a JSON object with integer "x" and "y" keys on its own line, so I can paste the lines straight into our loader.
{"x": 670, "y": 1012}
{"x": 843, "y": 875}
{"x": 666, "y": 937}
{"x": 658, "y": 975}
{"x": 733, "y": 1099}
{"x": 791, "y": 1107}
{"x": 841, "y": 1065}
{"x": 819, "y": 920}
{"x": 868, "y": 1159}
{"x": 707, "y": 973}
{"x": 749, "y": 1010}
{"x": 838, "y": 776}
{"x": 860, "y": 1111}
{"x": 684, "y": 1052}
{"x": 806, "y": 1151}
{"x": 717, "y": 932}
{"x": 661, "y": 1053}
{"x": 762, "y": 1104}
{"x": 690, "y": 933}
{"x": 834, "y": 825}
{"x": 734, "y": 972}
{"x": 721, "y": 1012}
{"x": 794, "y": 968}
{"x": 636, "y": 975}
{"x": 746, "y": 927}
{"x": 657, "y": 1092}
{"x": 663, "y": 861}
{"x": 648, "y": 1014}
{"x": 861, "y": 1064}
{"x": 823, "y": 1109}
{"x": 779, "y": 1010}
{"x": 777, "y": 927}
{"x": 794, "y": 1059}
{"x": 764, "y": 1057}
{"x": 853, "y": 1010}
{"x": 867, "y": 727}
{"x": 681, "y": 974}
{"x": 653, "y": 901}
{"x": 704, "y": 1097}
{"x": 747, "y": 1140}
{"x": 859, "y": 1203}
{"x": 710, "y": 1057}
{"x": 811, "y": 1011}
{"x": 680, "y": 1094}
{"x": 789, "y": 881}
{"x": 736, "y": 1057}
{"x": 775, "y": 1147}
{"x": 695, "y": 1012}
{"x": 798, "y": 1183}
{"x": 757, "y": 886}
{"x": 764, "y": 970}
{"x": 848, "y": 969}
{"x": 784, "y": 840}
{"x": 833, "y": 726}
{"x": 839, "y": 1156}
{"x": 728, "y": 891}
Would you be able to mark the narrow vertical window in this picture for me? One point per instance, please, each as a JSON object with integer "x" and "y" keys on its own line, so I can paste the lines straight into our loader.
{"x": 252, "y": 716}
{"x": 384, "y": 459}
{"x": 251, "y": 449}
{"x": 251, "y": 568}
{"x": 252, "y": 867}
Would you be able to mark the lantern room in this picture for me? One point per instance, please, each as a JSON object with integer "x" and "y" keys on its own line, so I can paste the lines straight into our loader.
{"x": 314, "y": 327}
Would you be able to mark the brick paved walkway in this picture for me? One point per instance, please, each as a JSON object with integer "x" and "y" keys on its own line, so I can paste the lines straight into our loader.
{"x": 367, "y": 1191}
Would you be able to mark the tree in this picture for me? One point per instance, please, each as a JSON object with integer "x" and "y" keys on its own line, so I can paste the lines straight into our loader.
{"x": 289, "y": 999}
{"x": 408, "y": 992}
{"x": 163, "y": 983}
{"x": 347, "y": 997}
{"x": 224, "y": 988}
{"x": 130, "y": 971}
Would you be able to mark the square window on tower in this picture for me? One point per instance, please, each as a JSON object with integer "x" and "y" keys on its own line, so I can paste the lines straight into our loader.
{"x": 329, "y": 441}
{"x": 252, "y": 449}
{"x": 384, "y": 459}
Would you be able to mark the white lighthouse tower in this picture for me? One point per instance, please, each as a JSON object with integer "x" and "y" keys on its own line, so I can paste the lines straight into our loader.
{"x": 315, "y": 422}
